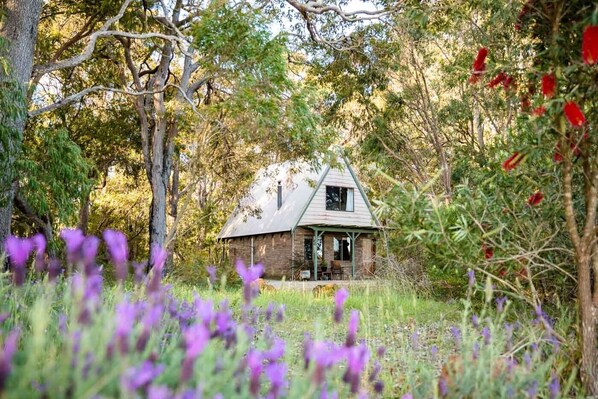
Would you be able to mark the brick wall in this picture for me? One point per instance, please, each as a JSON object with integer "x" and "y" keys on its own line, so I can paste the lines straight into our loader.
{"x": 275, "y": 252}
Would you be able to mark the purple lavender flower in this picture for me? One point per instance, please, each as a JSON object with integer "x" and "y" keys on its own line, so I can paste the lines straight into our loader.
{"x": 339, "y": 299}
{"x": 196, "y": 339}
{"x": 280, "y": 313}
{"x": 554, "y": 386}
{"x": 380, "y": 351}
{"x": 141, "y": 377}
{"x": 212, "y": 274}
{"x": 18, "y": 251}
{"x": 476, "y": 350}
{"x": 276, "y": 374}
{"x": 8, "y": 350}
{"x": 509, "y": 335}
{"x": 125, "y": 318}
{"x": 408, "y": 395}
{"x": 500, "y": 302}
{"x": 269, "y": 311}
{"x": 471, "y": 275}
{"x": 248, "y": 276}
{"x": 532, "y": 390}
{"x": 159, "y": 392}
{"x": 276, "y": 351}
{"x": 352, "y": 330}
{"x": 456, "y": 333}
{"x": 54, "y": 270}
{"x": 204, "y": 310}
{"x": 357, "y": 359}
{"x": 73, "y": 238}
{"x": 151, "y": 318}
{"x": 375, "y": 371}
{"x": 475, "y": 321}
{"x": 379, "y": 387}
{"x": 89, "y": 251}
{"x": 119, "y": 252}
{"x": 487, "y": 335}
{"x": 415, "y": 341}
{"x": 39, "y": 243}
{"x": 434, "y": 352}
{"x": 254, "y": 364}
{"x": 139, "y": 271}
{"x": 442, "y": 387}
{"x": 157, "y": 259}
{"x": 511, "y": 364}
{"x": 527, "y": 359}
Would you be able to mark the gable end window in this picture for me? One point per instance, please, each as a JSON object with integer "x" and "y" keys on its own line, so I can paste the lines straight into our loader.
{"x": 339, "y": 199}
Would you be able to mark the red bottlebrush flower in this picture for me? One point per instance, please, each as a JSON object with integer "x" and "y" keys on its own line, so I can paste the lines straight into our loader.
{"x": 509, "y": 83}
{"x": 574, "y": 115}
{"x": 548, "y": 85}
{"x": 512, "y": 162}
{"x": 535, "y": 198}
{"x": 557, "y": 157}
{"x": 498, "y": 79}
{"x": 539, "y": 111}
{"x": 525, "y": 103}
{"x": 488, "y": 251}
{"x": 589, "y": 45}
{"x": 524, "y": 11}
{"x": 479, "y": 65}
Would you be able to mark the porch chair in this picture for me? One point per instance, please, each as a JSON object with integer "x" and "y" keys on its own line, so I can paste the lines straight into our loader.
{"x": 336, "y": 269}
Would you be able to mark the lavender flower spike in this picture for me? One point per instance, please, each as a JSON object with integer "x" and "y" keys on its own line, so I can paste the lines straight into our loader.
{"x": 119, "y": 252}
{"x": 471, "y": 275}
{"x": 73, "y": 238}
{"x": 18, "y": 251}
{"x": 211, "y": 274}
{"x": 158, "y": 256}
{"x": 6, "y": 355}
{"x": 352, "y": 330}
{"x": 339, "y": 298}
{"x": 276, "y": 373}
{"x": 39, "y": 243}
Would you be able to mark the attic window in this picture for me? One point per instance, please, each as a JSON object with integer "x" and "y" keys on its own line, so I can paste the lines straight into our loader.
{"x": 339, "y": 199}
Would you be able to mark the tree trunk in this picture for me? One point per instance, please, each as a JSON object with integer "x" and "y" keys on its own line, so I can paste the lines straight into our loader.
{"x": 19, "y": 31}
{"x": 587, "y": 313}
{"x": 84, "y": 213}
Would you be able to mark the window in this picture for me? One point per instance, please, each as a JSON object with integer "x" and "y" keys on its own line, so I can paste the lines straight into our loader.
{"x": 308, "y": 248}
{"x": 342, "y": 248}
{"x": 339, "y": 199}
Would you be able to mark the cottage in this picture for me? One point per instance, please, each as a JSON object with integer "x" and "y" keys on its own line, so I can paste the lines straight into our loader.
{"x": 300, "y": 221}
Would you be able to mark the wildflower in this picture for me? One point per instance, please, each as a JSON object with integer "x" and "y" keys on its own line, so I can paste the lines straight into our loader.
{"x": 574, "y": 115}
{"x": 119, "y": 252}
{"x": 380, "y": 352}
{"x": 211, "y": 274}
{"x": 89, "y": 250}
{"x": 511, "y": 363}
{"x": 141, "y": 377}
{"x": 73, "y": 238}
{"x": 280, "y": 313}
{"x": 39, "y": 243}
{"x": 379, "y": 387}
{"x": 535, "y": 198}
{"x": 479, "y": 65}
{"x": 339, "y": 299}
{"x": 276, "y": 374}
{"x": 254, "y": 363}
{"x": 498, "y": 79}
{"x": 159, "y": 392}
{"x": 589, "y": 45}
{"x": 487, "y": 335}
{"x": 539, "y": 111}
{"x": 276, "y": 351}
{"x": 527, "y": 359}
{"x": 357, "y": 358}
{"x": 475, "y": 351}
{"x": 269, "y": 311}
{"x": 125, "y": 318}
{"x": 157, "y": 258}
{"x": 442, "y": 387}
{"x": 456, "y": 333}
{"x": 150, "y": 319}
{"x": 54, "y": 269}
{"x": 512, "y": 162}
{"x": 488, "y": 251}
{"x": 414, "y": 341}
{"x": 548, "y": 85}
{"x": 434, "y": 351}
{"x": 248, "y": 276}
{"x": 352, "y": 330}
{"x": 18, "y": 250}
{"x": 6, "y": 354}
{"x": 196, "y": 339}
{"x": 471, "y": 276}
{"x": 554, "y": 386}
{"x": 500, "y": 301}
{"x": 532, "y": 391}
{"x": 204, "y": 310}
{"x": 475, "y": 321}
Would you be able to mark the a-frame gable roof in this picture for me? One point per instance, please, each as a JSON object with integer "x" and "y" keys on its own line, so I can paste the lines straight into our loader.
{"x": 258, "y": 212}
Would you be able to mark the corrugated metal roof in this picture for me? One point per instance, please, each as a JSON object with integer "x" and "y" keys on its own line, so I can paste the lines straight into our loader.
{"x": 258, "y": 212}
